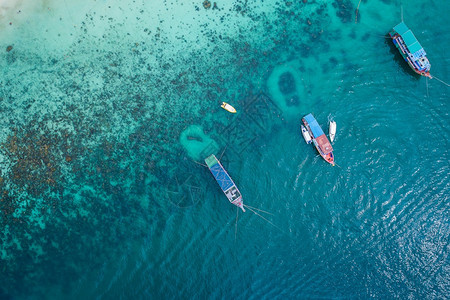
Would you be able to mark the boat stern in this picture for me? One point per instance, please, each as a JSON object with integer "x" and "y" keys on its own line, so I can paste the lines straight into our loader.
{"x": 426, "y": 74}
{"x": 239, "y": 203}
{"x": 329, "y": 158}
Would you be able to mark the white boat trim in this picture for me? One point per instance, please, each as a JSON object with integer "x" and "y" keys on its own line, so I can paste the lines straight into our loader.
{"x": 228, "y": 107}
{"x": 332, "y": 130}
{"x": 306, "y": 134}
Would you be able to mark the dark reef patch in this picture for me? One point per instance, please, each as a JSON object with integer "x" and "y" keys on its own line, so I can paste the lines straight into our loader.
{"x": 207, "y": 4}
{"x": 48, "y": 219}
{"x": 344, "y": 10}
{"x": 35, "y": 168}
{"x": 286, "y": 83}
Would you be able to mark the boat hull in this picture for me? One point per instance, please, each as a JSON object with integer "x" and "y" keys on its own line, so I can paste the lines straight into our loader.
{"x": 417, "y": 61}
{"x": 306, "y": 135}
{"x": 225, "y": 182}
{"x": 329, "y": 157}
{"x": 228, "y": 107}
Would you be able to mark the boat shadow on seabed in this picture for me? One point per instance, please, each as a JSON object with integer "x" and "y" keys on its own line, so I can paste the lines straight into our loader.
{"x": 397, "y": 57}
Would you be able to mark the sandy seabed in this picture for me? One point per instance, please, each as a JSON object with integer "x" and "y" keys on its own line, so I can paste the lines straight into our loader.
{"x": 10, "y": 7}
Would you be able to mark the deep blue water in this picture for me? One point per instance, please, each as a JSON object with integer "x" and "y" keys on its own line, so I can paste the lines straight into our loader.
{"x": 108, "y": 107}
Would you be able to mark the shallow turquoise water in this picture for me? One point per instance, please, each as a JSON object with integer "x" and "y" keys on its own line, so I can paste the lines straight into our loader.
{"x": 106, "y": 106}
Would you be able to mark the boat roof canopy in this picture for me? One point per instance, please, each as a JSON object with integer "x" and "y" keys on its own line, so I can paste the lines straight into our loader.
{"x": 324, "y": 144}
{"x": 219, "y": 173}
{"x": 410, "y": 40}
{"x": 313, "y": 125}
{"x": 401, "y": 28}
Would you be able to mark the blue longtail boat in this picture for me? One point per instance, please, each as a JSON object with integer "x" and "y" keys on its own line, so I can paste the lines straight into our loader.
{"x": 225, "y": 182}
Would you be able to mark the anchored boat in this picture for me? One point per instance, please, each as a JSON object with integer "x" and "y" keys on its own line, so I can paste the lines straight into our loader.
{"x": 228, "y": 107}
{"x": 306, "y": 134}
{"x": 411, "y": 50}
{"x": 332, "y": 130}
{"x": 225, "y": 182}
{"x": 319, "y": 138}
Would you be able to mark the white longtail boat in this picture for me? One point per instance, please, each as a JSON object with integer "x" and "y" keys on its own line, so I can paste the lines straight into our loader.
{"x": 228, "y": 107}
{"x": 306, "y": 134}
{"x": 332, "y": 130}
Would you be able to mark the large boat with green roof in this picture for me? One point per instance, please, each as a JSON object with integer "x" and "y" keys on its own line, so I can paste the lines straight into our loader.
{"x": 411, "y": 50}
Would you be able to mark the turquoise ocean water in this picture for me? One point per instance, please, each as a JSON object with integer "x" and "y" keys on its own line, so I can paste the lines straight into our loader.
{"x": 106, "y": 106}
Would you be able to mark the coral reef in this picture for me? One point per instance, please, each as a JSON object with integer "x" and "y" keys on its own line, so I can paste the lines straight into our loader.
{"x": 207, "y": 4}
{"x": 345, "y": 10}
{"x": 101, "y": 134}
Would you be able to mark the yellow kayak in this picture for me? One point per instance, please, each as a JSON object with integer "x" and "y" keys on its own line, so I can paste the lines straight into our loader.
{"x": 228, "y": 107}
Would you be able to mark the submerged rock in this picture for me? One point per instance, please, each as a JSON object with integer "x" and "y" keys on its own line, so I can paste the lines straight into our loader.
{"x": 207, "y": 4}
{"x": 286, "y": 83}
{"x": 194, "y": 138}
{"x": 344, "y": 10}
{"x": 196, "y": 143}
